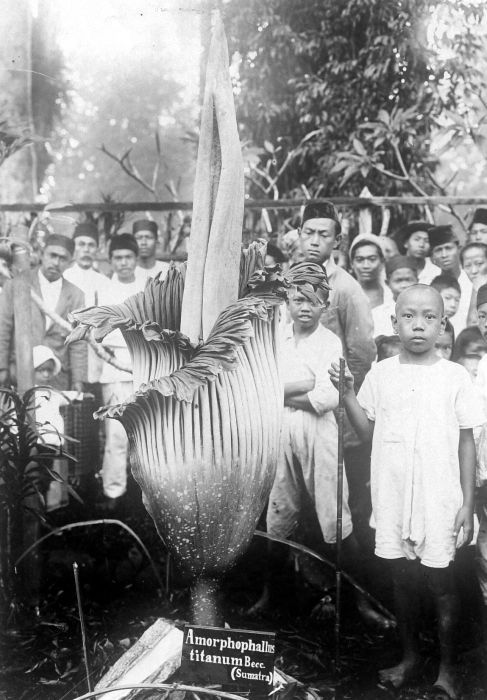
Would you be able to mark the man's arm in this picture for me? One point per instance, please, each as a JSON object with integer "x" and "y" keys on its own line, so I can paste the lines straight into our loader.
{"x": 355, "y": 318}
{"x": 356, "y": 414}
{"x": 466, "y": 457}
{"x": 78, "y": 351}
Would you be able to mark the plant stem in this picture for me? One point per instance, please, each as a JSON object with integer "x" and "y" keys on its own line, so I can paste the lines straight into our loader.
{"x": 204, "y": 603}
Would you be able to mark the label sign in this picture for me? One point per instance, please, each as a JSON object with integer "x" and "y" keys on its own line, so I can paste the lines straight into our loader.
{"x": 216, "y": 655}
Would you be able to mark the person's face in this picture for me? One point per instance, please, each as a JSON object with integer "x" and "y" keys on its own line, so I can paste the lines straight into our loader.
{"x": 446, "y": 256}
{"x": 123, "y": 264}
{"x": 318, "y": 239}
{"x": 305, "y": 314}
{"x": 54, "y": 261}
{"x": 401, "y": 279}
{"x": 44, "y": 373}
{"x": 475, "y": 264}
{"x": 444, "y": 346}
{"x": 419, "y": 319}
{"x": 147, "y": 243}
{"x": 451, "y": 300}
{"x": 4, "y": 272}
{"x": 85, "y": 248}
{"x": 478, "y": 234}
{"x": 475, "y": 347}
{"x": 389, "y": 247}
{"x": 417, "y": 245}
{"x": 367, "y": 264}
{"x": 482, "y": 319}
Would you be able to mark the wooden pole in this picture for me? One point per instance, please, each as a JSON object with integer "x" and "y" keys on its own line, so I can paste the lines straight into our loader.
{"x": 338, "y": 604}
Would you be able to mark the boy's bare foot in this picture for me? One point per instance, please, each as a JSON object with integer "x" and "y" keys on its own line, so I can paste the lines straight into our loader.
{"x": 446, "y": 683}
{"x": 398, "y": 675}
{"x": 372, "y": 617}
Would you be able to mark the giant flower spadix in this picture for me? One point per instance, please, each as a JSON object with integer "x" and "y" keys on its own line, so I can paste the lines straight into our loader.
{"x": 203, "y": 423}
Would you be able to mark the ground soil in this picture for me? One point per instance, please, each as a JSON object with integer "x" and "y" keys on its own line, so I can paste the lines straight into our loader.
{"x": 42, "y": 656}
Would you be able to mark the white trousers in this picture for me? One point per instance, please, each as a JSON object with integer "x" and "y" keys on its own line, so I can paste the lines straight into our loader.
{"x": 114, "y": 468}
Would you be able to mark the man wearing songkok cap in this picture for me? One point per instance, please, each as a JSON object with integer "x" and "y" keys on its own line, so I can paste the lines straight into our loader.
{"x": 412, "y": 240}
{"x": 145, "y": 233}
{"x": 367, "y": 262}
{"x": 400, "y": 274}
{"x": 348, "y": 314}
{"x": 445, "y": 253}
{"x": 83, "y": 274}
{"x": 481, "y": 477}
{"x": 349, "y": 317}
{"x": 58, "y": 296}
{"x": 477, "y": 232}
{"x": 117, "y": 383}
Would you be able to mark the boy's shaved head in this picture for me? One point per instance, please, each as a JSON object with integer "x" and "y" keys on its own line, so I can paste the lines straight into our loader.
{"x": 421, "y": 292}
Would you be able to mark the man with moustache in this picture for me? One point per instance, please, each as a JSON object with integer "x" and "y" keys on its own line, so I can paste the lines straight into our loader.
{"x": 58, "y": 295}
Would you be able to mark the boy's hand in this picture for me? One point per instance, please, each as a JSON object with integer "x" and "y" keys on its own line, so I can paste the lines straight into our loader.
{"x": 334, "y": 373}
{"x": 464, "y": 520}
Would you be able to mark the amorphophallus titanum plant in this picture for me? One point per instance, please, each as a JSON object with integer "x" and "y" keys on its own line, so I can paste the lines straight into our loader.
{"x": 204, "y": 420}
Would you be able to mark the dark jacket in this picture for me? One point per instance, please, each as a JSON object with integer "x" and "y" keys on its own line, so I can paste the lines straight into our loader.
{"x": 73, "y": 357}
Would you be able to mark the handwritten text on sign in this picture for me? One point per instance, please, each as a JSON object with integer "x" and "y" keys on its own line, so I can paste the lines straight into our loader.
{"x": 230, "y": 657}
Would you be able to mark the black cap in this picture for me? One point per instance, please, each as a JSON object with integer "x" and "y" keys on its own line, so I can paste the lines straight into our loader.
{"x": 59, "y": 239}
{"x": 479, "y": 217}
{"x": 399, "y": 262}
{"x": 482, "y": 295}
{"x": 439, "y": 235}
{"x": 86, "y": 229}
{"x": 321, "y": 210}
{"x": 144, "y": 225}
{"x": 402, "y": 235}
{"x": 123, "y": 241}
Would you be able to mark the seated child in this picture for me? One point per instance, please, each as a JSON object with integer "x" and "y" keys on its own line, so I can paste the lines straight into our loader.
{"x": 419, "y": 410}
{"x": 450, "y": 291}
{"x": 50, "y": 423}
{"x": 400, "y": 274}
{"x": 446, "y": 342}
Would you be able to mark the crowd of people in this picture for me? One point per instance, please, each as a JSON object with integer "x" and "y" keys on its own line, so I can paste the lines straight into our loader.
{"x": 407, "y": 311}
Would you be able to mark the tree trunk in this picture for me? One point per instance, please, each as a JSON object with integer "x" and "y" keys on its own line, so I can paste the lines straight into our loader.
{"x": 18, "y": 172}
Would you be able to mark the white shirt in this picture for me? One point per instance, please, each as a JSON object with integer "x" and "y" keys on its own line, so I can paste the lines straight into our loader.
{"x": 50, "y": 293}
{"x": 415, "y": 475}
{"x": 91, "y": 282}
{"x": 429, "y": 272}
{"x": 459, "y": 320}
{"x": 115, "y": 293}
{"x": 143, "y": 273}
{"x": 381, "y": 317}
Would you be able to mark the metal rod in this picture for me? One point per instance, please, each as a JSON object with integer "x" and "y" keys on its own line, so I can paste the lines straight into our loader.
{"x": 82, "y": 623}
{"x": 338, "y": 574}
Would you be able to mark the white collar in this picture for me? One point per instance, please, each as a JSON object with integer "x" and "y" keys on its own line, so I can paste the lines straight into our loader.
{"x": 44, "y": 282}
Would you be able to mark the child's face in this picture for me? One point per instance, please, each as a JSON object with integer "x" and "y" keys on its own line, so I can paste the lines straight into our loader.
{"x": 482, "y": 316}
{"x": 419, "y": 319}
{"x": 451, "y": 300}
{"x": 444, "y": 345}
{"x": 475, "y": 264}
{"x": 417, "y": 245}
{"x": 478, "y": 234}
{"x": 304, "y": 313}
{"x": 401, "y": 279}
{"x": 44, "y": 373}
